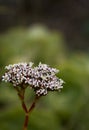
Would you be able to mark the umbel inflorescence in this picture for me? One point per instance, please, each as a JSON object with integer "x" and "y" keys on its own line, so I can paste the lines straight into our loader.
{"x": 41, "y": 78}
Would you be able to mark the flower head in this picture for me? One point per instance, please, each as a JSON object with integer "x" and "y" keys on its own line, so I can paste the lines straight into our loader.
{"x": 41, "y": 78}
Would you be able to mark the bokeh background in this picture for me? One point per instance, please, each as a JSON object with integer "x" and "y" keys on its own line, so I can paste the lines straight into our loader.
{"x": 55, "y": 33}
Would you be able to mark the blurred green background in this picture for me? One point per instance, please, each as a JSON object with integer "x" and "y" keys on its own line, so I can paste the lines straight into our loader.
{"x": 65, "y": 110}
{"x": 55, "y": 33}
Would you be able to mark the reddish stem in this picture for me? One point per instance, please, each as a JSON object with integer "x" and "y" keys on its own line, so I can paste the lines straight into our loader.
{"x": 26, "y": 121}
{"x": 24, "y": 107}
{"x": 28, "y": 112}
{"x": 33, "y": 104}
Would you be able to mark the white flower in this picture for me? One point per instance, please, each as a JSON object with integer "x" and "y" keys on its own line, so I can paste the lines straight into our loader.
{"x": 41, "y": 78}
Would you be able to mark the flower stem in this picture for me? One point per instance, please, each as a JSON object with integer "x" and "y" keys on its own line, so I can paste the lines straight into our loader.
{"x": 28, "y": 113}
{"x": 26, "y": 121}
{"x": 33, "y": 104}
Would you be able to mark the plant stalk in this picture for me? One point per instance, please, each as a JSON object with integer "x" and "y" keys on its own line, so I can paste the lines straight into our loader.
{"x": 26, "y": 121}
{"x": 27, "y": 111}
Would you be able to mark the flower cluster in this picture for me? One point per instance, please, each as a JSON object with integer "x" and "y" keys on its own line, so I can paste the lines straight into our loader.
{"x": 41, "y": 78}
